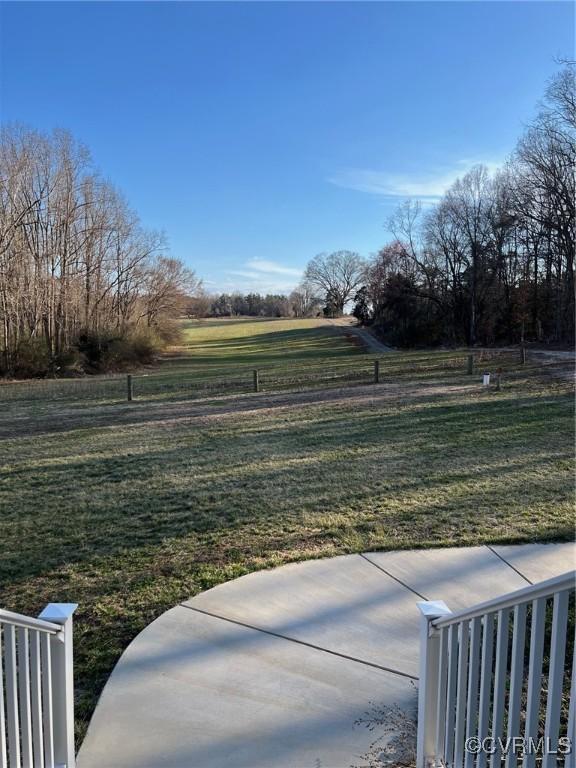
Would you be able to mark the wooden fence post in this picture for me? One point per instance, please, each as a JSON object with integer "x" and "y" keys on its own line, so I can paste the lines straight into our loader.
{"x": 376, "y": 371}
{"x": 522, "y": 354}
{"x": 129, "y": 388}
{"x": 256, "y": 382}
{"x": 470, "y": 365}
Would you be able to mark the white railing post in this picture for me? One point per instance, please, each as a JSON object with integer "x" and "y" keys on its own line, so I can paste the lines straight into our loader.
{"x": 429, "y": 680}
{"x": 62, "y": 682}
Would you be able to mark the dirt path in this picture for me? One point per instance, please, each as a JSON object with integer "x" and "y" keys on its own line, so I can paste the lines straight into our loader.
{"x": 559, "y": 363}
{"x": 371, "y": 342}
{"x": 551, "y": 358}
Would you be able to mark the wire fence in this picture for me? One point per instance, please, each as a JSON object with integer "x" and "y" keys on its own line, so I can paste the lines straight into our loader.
{"x": 89, "y": 388}
{"x": 205, "y": 382}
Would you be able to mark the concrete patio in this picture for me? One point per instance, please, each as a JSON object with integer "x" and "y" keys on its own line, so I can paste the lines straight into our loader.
{"x": 274, "y": 670}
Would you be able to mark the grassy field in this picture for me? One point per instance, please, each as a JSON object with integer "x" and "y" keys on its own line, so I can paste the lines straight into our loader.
{"x": 129, "y": 508}
{"x": 259, "y": 342}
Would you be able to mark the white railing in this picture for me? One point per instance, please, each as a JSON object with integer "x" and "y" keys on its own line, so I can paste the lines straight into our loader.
{"x": 37, "y": 689}
{"x": 489, "y": 691}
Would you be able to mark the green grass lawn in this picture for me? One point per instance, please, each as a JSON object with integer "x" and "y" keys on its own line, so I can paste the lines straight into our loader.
{"x": 261, "y": 342}
{"x": 128, "y": 509}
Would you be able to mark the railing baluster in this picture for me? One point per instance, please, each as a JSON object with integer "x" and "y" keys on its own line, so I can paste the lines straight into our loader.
{"x": 36, "y": 698}
{"x": 516, "y": 679}
{"x": 534, "y": 678}
{"x": 3, "y": 751}
{"x": 442, "y": 689}
{"x": 473, "y": 677}
{"x": 47, "y": 709}
{"x": 555, "y": 678}
{"x": 461, "y": 695}
{"x": 571, "y": 730}
{"x": 429, "y": 680}
{"x": 485, "y": 683}
{"x": 63, "y": 681}
{"x": 12, "y": 697}
{"x": 451, "y": 693}
{"x": 502, "y": 638}
{"x": 24, "y": 697}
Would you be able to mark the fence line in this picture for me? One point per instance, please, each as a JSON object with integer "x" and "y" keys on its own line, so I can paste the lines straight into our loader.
{"x": 357, "y": 370}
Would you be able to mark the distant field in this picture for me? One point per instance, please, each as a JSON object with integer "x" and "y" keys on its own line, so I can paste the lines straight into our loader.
{"x": 209, "y": 344}
{"x": 129, "y": 508}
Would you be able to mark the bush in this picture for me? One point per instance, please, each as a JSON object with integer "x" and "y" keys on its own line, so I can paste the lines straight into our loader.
{"x": 68, "y": 364}
{"x": 145, "y": 345}
{"x": 92, "y": 347}
{"x": 32, "y": 359}
{"x": 93, "y": 352}
{"x": 117, "y": 354}
{"x": 165, "y": 332}
{"x": 104, "y": 352}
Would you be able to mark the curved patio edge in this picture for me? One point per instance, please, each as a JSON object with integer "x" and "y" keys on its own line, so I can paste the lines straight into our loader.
{"x": 292, "y": 667}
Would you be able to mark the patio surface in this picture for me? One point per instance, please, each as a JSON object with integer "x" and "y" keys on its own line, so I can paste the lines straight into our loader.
{"x": 274, "y": 669}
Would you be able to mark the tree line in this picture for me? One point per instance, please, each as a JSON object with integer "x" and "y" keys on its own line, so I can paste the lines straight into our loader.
{"x": 83, "y": 286}
{"x": 492, "y": 262}
{"x": 303, "y": 301}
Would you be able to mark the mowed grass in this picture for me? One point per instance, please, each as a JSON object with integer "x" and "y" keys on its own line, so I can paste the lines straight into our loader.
{"x": 226, "y": 343}
{"x": 128, "y": 510}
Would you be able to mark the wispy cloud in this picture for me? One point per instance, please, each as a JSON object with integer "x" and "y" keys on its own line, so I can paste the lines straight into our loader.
{"x": 428, "y": 186}
{"x": 262, "y": 276}
{"x": 392, "y": 185}
{"x": 272, "y": 268}
{"x": 244, "y": 273}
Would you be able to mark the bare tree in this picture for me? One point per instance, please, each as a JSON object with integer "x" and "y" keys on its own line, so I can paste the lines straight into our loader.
{"x": 305, "y": 301}
{"x": 74, "y": 259}
{"x": 494, "y": 259}
{"x": 198, "y": 303}
{"x": 167, "y": 284}
{"x": 545, "y": 163}
{"x": 337, "y": 274}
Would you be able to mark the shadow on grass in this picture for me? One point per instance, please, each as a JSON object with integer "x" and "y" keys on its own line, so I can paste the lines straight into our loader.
{"x": 130, "y": 521}
{"x": 433, "y": 469}
{"x": 277, "y": 346}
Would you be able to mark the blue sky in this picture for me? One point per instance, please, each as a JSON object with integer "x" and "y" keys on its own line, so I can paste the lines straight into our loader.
{"x": 258, "y": 134}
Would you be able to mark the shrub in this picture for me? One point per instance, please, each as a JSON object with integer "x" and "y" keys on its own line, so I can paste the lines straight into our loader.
{"x": 145, "y": 346}
{"x": 117, "y": 354}
{"x": 93, "y": 352}
{"x": 165, "y": 332}
{"x": 32, "y": 359}
{"x": 92, "y": 347}
{"x": 106, "y": 352}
